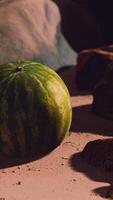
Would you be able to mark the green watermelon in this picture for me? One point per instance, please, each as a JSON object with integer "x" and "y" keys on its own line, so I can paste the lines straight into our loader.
{"x": 35, "y": 109}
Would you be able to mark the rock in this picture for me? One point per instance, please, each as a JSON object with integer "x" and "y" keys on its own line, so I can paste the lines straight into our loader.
{"x": 91, "y": 66}
{"x": 99, "y": 153}
{"x": 78, "y": 25}
{"x": 103, "y": 94}
{"x": 30, "y": 30}
{"x": 88, "y": 20}
{"x": 102, "y": 12}
{"x": 94, "y": 72}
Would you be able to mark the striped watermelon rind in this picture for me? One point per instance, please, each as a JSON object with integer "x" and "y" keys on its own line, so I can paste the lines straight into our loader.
{"x": 35, "y": 109}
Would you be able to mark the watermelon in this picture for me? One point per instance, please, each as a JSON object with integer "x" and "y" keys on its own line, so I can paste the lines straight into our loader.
{"x": 35, "y": 109}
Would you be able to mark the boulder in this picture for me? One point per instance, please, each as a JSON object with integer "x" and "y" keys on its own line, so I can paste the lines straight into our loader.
{"x": 78, "y": 25}
{"x": 103, "y": 94}
{"x": 87, "y": 20}
{"x": 99, "y": 153}
{"x": 30, "y": 30}
{"x": 91, "y": 66}
{"x": 102, "y": 12}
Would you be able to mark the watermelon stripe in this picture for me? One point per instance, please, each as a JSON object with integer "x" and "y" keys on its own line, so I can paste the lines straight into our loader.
{"x": 7, "y": 118}
{"x": 25, "y": 123}
{"x": 41, "y": 116}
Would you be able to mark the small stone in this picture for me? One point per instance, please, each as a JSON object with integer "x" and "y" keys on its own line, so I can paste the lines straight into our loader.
{"x": 3, "y": 171}
{"x": 62, "y": 164}
{"x": 18, "y": 167}
{"x": 18, "y": 183}
{"x": 64, "y": 158}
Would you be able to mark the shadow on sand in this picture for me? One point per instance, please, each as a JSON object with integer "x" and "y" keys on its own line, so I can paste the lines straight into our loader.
{"x": 77, "y": 163}
{"x": 84, "y": 121}
{"x": 6, "y": 162}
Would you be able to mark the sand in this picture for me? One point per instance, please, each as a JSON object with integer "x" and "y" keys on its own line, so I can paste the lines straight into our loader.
{"x": 63, "y": 174}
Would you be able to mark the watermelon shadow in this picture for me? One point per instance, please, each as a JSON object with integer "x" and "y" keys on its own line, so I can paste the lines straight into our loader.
{"x": 6, "y": 162}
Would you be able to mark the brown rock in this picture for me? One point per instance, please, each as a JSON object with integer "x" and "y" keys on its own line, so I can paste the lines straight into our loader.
{"x": 99, "y": 153}
{"x": 91, "y": 66}
{"x": 101, "y": 16}
{"x": 78, "y": 25}
{"x": 103, "y": 95}
{"x": 102, "y": 12}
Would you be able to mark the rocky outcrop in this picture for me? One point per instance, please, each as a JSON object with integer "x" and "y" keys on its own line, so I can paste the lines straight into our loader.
{"x": 102, "y": 12}
{"x": 89, "y": 21}
{"x": 99, "y": 153}
{"x": 91, "y": 66}
{"x": 103, "y": 94}
{"x": 94, "y": 73}
{"x": 31, "y": 30}
{"x": 78, "y": 25}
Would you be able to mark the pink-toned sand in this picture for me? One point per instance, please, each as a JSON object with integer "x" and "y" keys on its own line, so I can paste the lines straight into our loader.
{"x": 62, "y": 175}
